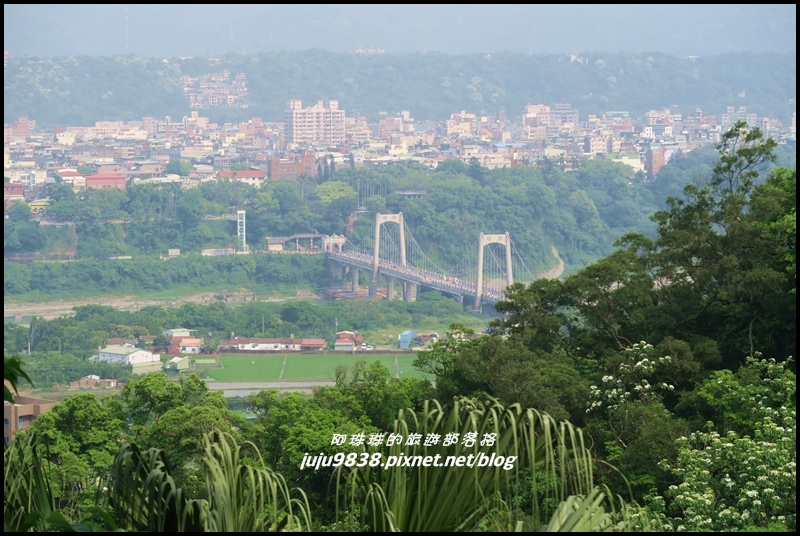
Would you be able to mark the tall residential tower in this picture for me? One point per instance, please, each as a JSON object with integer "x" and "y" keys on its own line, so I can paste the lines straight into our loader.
{"x": 315, "y": 125}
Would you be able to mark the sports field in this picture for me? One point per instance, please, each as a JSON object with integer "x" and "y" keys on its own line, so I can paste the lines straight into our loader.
{"x": 320, "y": 367}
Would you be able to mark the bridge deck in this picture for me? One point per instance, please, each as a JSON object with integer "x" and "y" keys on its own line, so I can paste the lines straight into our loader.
{"x": 433, "y": 280}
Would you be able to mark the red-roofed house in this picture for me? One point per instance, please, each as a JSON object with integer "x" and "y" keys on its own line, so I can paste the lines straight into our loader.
{"x": 190, "y": 345}
{"x": 73, "y": 177}
{"x": 312, "y": 344}
{"x": 12, "y": 192}
{"x": 253, "y": 177}
{"x": 106, "y": 181}
{"x": 349, "y": 336}
{"x": 179, "y": 344}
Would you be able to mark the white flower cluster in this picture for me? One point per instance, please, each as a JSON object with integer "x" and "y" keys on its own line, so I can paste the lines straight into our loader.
{"x": 729, "y": 481}
{"x": 631, "y": 381}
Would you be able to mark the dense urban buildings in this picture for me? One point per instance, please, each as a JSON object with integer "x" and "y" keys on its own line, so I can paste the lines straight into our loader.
{"x": 114, "y": 154}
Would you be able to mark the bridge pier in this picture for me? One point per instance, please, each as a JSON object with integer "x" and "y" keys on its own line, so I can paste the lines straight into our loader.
{"x": 373, "y": 288}
{"x": 354, "y": 270}
{"x": 389, "y": 287}
{"x": 409, "y": 292}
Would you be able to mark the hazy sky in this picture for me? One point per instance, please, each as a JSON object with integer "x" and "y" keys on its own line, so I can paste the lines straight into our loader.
{"x": 214, "y": 29}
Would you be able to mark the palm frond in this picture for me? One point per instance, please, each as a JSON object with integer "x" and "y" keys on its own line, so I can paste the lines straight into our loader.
{"x": 600, "y": 511}
{"x": 551, "y": 454}
{"x": 13, "y": 373}
{"x": 142, "y": 495}
{"x": 243, "y": 498}
{"x": 27, "y": 496}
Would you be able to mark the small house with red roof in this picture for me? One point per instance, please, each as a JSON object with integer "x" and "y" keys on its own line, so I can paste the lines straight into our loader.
{"x": 72, "y": 177}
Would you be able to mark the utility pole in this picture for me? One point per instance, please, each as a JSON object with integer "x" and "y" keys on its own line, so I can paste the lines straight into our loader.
{"x": 30, "y": 335}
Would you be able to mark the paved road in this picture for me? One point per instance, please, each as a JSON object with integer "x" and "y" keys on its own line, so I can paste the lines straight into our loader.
{"x": 248, "y": 388}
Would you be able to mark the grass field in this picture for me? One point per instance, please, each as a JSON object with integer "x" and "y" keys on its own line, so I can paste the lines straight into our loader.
{"x": 321, "y": 367}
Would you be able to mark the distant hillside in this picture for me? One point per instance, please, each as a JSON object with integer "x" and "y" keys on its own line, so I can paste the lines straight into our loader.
{"x": 81, "y": 90}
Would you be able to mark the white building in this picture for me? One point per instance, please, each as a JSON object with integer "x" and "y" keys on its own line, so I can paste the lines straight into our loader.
{"x": 191, "y": 345}
{"x": 129, "y": 355}
{"x": 316, "y": 124}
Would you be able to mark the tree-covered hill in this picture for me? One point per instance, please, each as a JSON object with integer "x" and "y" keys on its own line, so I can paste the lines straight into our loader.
{"x": 82, "y": 90}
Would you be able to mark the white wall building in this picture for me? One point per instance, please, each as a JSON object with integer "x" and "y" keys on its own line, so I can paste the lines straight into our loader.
{"x": 129, "y": 355}
{"x": 316, "y": 124}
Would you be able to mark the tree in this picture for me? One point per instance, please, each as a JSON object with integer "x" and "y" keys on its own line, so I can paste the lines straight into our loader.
{"x": 440, "y": 360}
{"x": 717, "y": 267}
{"x": 629, "y": 421}
{"x": 382, "y": 396}
{"x": 734, "y": 481}
{"x": 744, "y": 154}
{"x": 275, "y": 414}
{"x": 453, "y": 166}
{"x": 60, "y": 191}
{"x": 180, "y": 431}
{"x": 610, "y": 296}
{"x": 332, "y": 167}
{"x": 80, "y": 437}
{"x": 20, "y": 231}
{"x": 774, "y": 205}
{"x": 19, "y": 212}
{"x": 375, "y": 204}
{"x": 178, "y": 167}
{"x": 149, "y": 398}
{"x": 532, "y": 313}
{"x": 161, "y": 343}
{"x": 330, "y": 191}
{"x": 475, "y": 170}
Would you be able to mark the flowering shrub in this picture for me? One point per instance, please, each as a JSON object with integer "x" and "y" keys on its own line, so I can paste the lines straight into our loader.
{"x": 735, "y": 482}
{"x": 631, "y": 381}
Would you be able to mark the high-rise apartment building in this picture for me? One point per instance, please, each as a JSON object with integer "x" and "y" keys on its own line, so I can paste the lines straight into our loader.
{"x": 315, "y": 125}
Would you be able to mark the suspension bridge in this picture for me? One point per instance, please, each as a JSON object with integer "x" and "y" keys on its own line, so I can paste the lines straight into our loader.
{"x": 395, "y": 256}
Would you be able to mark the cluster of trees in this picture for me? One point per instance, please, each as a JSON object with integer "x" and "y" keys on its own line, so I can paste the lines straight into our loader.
{"x": 81, "y": 90}
{"x": 20, "y": 231}
{"x": 142, "y": 275}
{"x": 654, "y": 352}
{"x": 188, "y": 463}
{"x": 175, "y": 437}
